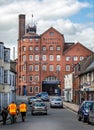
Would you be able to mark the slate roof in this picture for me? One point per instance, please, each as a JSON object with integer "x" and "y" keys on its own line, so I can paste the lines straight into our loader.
{"x": 90, "y": 67}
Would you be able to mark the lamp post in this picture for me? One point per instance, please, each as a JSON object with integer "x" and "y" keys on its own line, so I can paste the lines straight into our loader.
{"x": 59, "y": 85}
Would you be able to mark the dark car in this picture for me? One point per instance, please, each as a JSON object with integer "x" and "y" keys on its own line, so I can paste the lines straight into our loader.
{"x": 43, "y": 95}
{"x": 91, "y": 115}
{"x": 84, "y": 109}
{"x": 31, "y": 99}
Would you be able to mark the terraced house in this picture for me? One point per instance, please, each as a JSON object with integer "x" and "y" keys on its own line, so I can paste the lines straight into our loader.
{"x": 44, "y": 60}
{"x": 7, "y": 77}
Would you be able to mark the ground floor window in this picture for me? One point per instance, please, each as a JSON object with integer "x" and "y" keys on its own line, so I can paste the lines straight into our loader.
{"x": 36, "y": 89}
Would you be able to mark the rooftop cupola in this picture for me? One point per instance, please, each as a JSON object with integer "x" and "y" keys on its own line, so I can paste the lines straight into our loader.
{"x": 31, "y": 28}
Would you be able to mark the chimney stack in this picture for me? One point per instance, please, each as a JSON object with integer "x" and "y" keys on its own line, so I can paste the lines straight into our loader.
{"x": 21, "y": 25}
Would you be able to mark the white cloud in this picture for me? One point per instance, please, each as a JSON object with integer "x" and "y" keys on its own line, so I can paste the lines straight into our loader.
{"x": 47, "y": 13}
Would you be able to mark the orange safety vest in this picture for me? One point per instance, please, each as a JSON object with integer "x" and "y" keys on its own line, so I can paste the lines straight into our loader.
{"x": 12, "y": 109}
{"x": 22, "y": 107}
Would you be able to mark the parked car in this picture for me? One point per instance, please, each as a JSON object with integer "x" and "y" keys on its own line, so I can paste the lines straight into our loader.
{"x": 31, "y": 99}
{"x": 39, "y": 108}
{"x": 38, "y": 100}
{"x": 91, "y": 115}
{"x": 43, "y": 95}
{"x": 56, "y": 102}
{"x": 85, "y": 110}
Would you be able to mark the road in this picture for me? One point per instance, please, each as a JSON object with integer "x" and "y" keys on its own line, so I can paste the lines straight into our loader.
{"x": 57, "y": 119}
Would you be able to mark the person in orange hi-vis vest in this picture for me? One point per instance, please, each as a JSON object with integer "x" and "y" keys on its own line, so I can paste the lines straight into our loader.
{"x": 12, "y": 108}
{"x": 23, "y": 110}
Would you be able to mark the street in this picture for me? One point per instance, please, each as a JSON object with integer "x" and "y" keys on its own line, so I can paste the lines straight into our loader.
{"x": 57, "y": 119}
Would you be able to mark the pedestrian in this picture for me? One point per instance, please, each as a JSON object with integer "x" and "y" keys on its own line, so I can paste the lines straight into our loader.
{"x": 23, "y": 110}
{"x": 12, "y": 108}
{"x": 4, "y": 114}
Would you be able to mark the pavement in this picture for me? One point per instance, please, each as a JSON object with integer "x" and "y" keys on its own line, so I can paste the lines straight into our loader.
{"x": 73, "y": 107}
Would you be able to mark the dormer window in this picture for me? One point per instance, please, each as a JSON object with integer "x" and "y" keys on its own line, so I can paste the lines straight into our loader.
{"x": 51, "y": 33}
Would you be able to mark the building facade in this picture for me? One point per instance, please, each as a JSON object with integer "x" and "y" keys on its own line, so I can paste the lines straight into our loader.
{"x": 44, "y": 59}
{"x": 6, "y": 77}
{"x": 68, "y": 87}
{"x": 84, "y": 80}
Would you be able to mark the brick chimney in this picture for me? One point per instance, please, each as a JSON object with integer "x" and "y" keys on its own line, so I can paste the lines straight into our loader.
{"x": 21, "y": 25}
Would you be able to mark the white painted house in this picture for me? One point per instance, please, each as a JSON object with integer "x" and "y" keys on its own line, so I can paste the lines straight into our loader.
{"x": 68, "y": 87}
{"x": 6, "y": 76}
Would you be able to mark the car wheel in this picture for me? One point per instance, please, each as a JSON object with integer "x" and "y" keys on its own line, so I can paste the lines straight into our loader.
{"x": 50, "y": 106}
{"x": 79, "y": 118}
{"x": 89, "y": 121}
{"x": 62, "y": 106}
{"x": 32, "y": 113}
{"x": 46, "y": 113}
{"x": 84, "y": 119}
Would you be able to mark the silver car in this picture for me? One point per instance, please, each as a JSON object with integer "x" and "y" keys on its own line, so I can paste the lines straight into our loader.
{"x": 39, "y": 108}
{"x": 56, "y": 102}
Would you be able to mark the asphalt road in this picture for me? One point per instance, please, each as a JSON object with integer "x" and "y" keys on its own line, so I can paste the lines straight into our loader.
{"x": 57, "y": 119}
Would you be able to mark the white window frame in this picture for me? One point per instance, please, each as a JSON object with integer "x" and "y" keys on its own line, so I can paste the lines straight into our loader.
{"x": 30, "y": 57}
{"x": 36, "y": 48}
{"x": 58, "y": 68}
{"x": 24, "y": 78}
{"x": 24, "y": 58}
{"x": 24, "y": 67}
{"x": 36, "y": 78}
{"x": 31, "y": 67}
{"x": 24, "y": 48}
{"x": 81, "y": 58}
{"x": 51, "y": 68}
{"x": 58, "y": 48}
{"x": 67, "y": 58}
{"x": 30, "y": 48}
{"x": 44, "y": 48}
{"x": 75, "y": 58}
{"x": 44, "y": 67}
{"x": 36, "y": 67}
{"x": 44, "y": 58}
{"x": 68, "y": 67}
{"x": 51, "y": 48}
{"x": 36, "y": 57}
{"x": 51, "y": 57}
{"x": 58, "y": 57}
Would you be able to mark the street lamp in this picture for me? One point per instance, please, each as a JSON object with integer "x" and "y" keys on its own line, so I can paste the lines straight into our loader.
{"x": 59, "y": 85}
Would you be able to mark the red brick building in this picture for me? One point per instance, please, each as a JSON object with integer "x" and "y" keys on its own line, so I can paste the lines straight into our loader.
{"x": 43, "y": 60}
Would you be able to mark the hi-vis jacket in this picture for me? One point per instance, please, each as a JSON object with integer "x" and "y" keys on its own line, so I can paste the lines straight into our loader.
{"x": 23, "y": 107}
{"x": 12, "y": 108}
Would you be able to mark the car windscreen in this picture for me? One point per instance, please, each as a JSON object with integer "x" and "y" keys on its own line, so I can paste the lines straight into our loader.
{"x": 39, "y": 104}
{"x": 56, "y": 99}
{"x": 88, "y": 105}
{"x": 44, "y": 94}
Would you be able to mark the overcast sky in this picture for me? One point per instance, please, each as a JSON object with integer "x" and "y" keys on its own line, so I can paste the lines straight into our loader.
{"x": 73, "y": 18}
